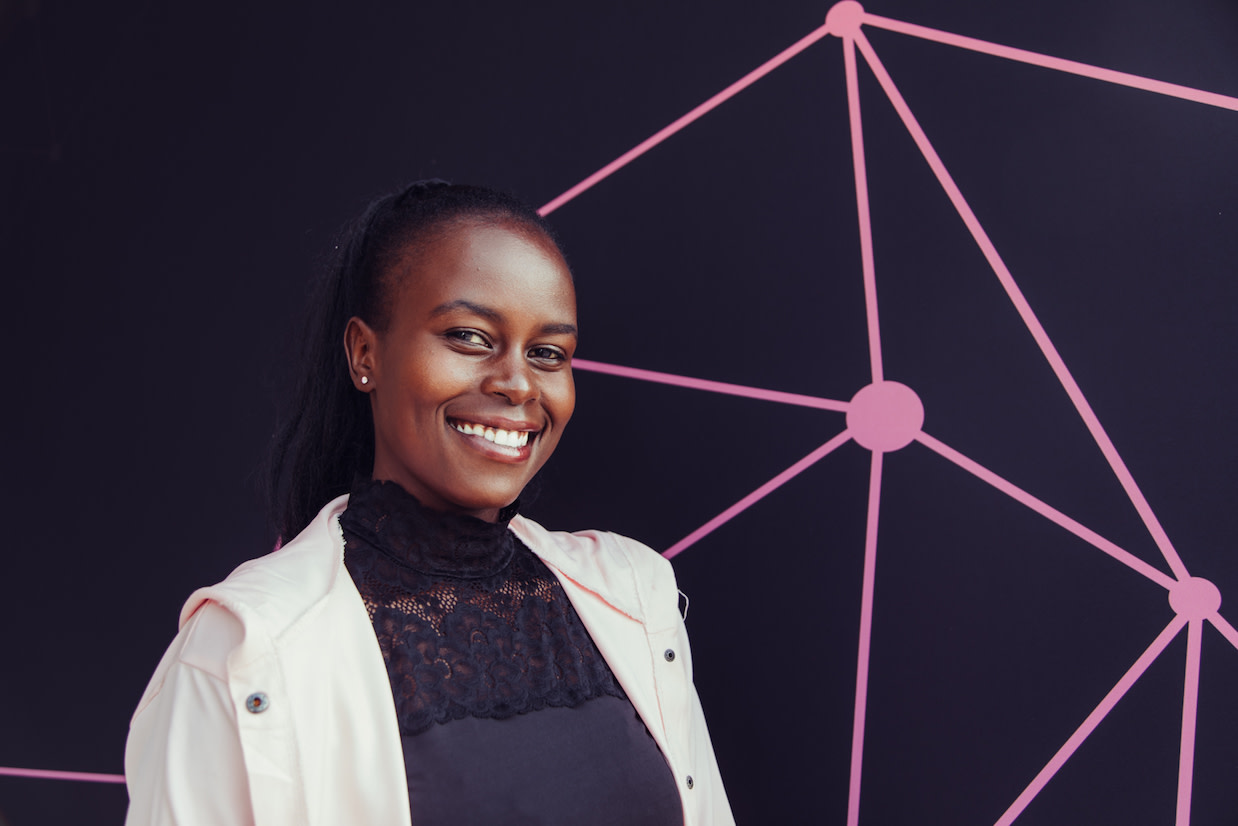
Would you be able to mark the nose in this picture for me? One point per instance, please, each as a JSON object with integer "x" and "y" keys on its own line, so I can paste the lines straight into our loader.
{"x": 512, "y": 378}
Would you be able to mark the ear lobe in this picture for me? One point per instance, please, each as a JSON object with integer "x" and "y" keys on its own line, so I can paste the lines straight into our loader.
{"x": 359, "y": 349}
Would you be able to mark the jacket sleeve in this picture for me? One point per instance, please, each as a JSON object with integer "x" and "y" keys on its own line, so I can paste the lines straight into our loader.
{"x": 183, "y": 759}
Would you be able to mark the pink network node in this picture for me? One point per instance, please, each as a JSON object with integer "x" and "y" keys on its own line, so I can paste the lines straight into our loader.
{"x": 887, "y": 416}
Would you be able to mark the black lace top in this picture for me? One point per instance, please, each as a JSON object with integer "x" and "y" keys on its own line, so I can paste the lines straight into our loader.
{"x": 474, "y": 629}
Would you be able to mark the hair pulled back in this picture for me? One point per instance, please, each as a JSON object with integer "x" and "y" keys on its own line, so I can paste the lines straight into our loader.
{"x": 326, "y": 439}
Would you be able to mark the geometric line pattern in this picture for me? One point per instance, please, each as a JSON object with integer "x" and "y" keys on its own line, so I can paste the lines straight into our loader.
{"x": 887, "y": 416}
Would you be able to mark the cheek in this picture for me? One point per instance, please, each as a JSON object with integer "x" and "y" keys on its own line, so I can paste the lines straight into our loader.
{"x": 428, "y": 381}
{"x": 564, "y": 400}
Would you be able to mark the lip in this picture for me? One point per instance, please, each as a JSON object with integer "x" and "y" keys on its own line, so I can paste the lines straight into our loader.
{"x": 490, "y": 450}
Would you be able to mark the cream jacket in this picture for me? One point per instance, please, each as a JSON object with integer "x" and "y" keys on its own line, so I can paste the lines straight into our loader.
{"x": 272, "y": 706}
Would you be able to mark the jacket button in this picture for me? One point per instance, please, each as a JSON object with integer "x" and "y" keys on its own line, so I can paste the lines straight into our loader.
{"x": 257, "y": 703}
{"x": 670, "y": 655}
{"x": 690, "y": 782}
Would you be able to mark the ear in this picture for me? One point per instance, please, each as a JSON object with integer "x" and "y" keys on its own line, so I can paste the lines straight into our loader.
{"x": 360, "y": 347}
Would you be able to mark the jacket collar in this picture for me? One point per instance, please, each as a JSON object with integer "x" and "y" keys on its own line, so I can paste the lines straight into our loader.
{"x": 283, "y": 585}
{"x": 588, "y": 560}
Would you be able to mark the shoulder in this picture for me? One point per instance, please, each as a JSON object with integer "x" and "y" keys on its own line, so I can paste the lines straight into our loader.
{"x": 260, "y": 601}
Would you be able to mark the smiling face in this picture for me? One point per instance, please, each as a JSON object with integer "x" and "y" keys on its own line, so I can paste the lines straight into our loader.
{"x": 470, "y": 384}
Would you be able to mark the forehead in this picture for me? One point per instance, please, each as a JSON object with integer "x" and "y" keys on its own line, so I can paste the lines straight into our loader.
{"x": 504, "y": 266}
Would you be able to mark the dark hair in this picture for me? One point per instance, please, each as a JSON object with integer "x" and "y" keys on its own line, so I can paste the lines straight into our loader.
{"x": 326, "y": 438}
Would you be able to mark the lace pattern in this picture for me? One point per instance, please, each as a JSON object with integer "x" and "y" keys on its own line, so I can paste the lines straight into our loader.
{"x": 470, "y": 622}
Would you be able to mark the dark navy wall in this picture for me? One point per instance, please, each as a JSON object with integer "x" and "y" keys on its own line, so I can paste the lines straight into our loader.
{"x": 172, "y": 178}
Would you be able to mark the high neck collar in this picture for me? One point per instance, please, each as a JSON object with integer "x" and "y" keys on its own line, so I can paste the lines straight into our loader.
{"x": 428, "y": 541}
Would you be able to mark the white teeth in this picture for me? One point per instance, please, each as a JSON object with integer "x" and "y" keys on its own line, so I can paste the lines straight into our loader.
{"x": 506, "y": 438}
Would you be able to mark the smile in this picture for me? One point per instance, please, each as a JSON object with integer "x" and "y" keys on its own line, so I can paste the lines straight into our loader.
{"x": 505, "y": 438}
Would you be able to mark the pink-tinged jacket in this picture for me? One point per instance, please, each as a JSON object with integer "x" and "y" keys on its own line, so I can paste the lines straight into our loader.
{"x": 291, "y": 629}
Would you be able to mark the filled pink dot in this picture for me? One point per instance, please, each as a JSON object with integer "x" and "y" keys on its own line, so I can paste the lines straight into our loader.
{"x": 1195, "y": 598}
{"x": 844, "y": 18}
{"x": 885, "y": 416}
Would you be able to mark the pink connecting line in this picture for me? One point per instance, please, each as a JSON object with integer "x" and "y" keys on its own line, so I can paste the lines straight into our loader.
{"x": 1190, "y": 714}
{"x": 1228, "y": 631}
{"x": 866, "y": 639}
{"x": 46, "y": 774}
{"x": 866, "y": 222}
{"x": 710, "y": 386}
{"x": 1053, "y": 515}
{"x": 757, "y": 495}
{"x": 1056, "y": 63}
{"x": 664, "y": 133}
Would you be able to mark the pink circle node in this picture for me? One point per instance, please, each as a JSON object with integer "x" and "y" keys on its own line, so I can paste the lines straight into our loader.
{"x": 844, "y": 19}
{"x": 885, "y": 416}
{"x": 1195, "y": 598}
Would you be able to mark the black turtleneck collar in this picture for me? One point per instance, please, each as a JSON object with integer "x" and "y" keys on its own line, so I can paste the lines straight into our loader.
{"x": 428, "y": 541}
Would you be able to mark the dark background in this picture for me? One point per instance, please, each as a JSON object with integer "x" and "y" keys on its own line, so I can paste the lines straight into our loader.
{"x": 174, "y": 174}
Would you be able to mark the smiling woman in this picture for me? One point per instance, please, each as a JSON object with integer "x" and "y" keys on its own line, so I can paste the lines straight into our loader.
{"x": 415, "y": 650}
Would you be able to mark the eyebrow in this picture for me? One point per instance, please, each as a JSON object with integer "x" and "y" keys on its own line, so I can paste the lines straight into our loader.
{"x": 494, "y": 315}
{"x": 461, "y": 304}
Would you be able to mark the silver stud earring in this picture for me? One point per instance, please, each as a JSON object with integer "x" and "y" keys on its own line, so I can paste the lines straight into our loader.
{"x": 365, "y": 379}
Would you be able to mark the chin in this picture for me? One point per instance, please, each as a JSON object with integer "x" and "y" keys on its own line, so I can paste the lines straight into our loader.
{"x": 490, "y": 499}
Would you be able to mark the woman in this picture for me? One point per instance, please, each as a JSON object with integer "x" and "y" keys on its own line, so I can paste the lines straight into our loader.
{"x": 418, "y": 650}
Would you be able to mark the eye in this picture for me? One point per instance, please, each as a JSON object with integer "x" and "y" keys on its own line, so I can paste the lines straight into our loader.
{"x": 548, "y": 355}
{"x": 467, "y": 337}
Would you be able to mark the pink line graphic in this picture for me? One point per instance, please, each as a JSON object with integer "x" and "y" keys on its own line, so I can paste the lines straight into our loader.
{"x": 1055, "y": 63}
{"x": 47, "y": 774}
{"x": 1053, "y": 515}
{"x": 866, "y": 221}
{"x": 892, "y": 413}
{"x": 710, "y": 386}
{"x": 866, "y": 639}
{"x": 1228, "y": 631}
{"x": 1093, "y": 720}
{"x": 757, "y": 495}
{"x": 665, "y": 132}
{"x": 1025, "y": 311}
{"x": 1190, "y": 708}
